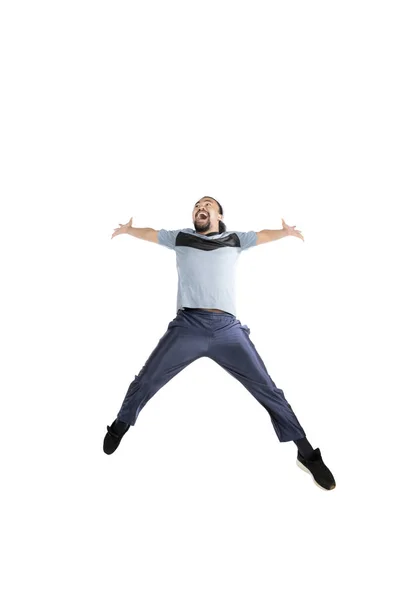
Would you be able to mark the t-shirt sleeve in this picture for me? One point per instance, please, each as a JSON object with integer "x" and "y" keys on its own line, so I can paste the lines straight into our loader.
{"x": 247, "y": 239}
{"x": 167, "y": 237}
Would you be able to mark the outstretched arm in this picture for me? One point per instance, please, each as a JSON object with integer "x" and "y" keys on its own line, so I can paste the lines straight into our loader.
{"x": 269, "y": 235}
{"x": 144, "y": 233}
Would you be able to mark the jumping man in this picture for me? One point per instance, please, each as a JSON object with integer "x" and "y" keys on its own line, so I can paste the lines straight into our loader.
{"x": 206, "y": 325}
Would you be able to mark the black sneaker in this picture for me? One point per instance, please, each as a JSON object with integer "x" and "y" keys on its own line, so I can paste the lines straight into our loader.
{"x": 316, "y": 467}
{"x": 116, "y": 432}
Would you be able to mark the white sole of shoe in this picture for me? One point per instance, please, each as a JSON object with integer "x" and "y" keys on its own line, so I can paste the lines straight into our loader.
{"x": 303, "y": 468}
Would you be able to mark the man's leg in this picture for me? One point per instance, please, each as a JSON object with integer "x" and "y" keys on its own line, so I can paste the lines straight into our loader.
{"x": 181, "y": 344}
{"x": 179, "y": 347}
{"x": 234, "y": 351}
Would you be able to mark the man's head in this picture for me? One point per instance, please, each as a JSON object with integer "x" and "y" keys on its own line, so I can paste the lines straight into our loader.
{"x": 207, "y": 216}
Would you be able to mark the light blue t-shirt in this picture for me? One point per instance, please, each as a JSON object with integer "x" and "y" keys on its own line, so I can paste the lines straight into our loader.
{"x": 206, "y": 265}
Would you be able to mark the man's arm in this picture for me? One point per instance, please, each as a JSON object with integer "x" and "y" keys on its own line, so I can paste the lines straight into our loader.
{"x": 144, "y": 233}
{"x": 269, "y": 235}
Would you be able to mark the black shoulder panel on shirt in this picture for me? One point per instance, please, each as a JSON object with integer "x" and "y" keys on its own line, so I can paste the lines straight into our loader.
{"x": 204, "y": 243}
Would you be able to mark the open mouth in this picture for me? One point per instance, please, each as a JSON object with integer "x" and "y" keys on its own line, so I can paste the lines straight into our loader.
{"x": 202, "y": 216}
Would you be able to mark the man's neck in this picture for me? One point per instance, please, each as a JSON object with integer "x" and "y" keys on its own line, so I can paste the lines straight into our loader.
{"x": 208, "y": 233}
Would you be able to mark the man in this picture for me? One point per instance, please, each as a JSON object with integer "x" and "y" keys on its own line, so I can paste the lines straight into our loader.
{"x": 206, "y": 325}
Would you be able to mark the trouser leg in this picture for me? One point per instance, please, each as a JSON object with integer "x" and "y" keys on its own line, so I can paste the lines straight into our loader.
{"x": 233, "y": 350}
{"x": 178, "y": 348}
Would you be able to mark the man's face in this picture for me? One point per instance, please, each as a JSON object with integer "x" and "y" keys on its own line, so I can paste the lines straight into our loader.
{"x": 205, "y": 216}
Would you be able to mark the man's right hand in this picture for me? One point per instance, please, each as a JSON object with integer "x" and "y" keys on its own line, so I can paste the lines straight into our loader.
{"x": 122, "y": 228}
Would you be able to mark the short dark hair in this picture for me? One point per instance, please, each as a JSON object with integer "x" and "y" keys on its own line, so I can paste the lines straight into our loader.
{"x": 222, "y": 226}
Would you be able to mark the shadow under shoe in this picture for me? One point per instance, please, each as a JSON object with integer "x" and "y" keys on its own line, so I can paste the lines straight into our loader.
{"x": 317, "y": 468}
{"x": 114, "y": 435}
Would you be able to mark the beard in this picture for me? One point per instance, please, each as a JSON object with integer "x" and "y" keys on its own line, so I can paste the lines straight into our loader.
{"x": 202, "y": 224}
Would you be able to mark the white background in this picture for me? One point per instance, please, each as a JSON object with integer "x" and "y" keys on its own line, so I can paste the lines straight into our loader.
{"x": 278, "y": 110}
